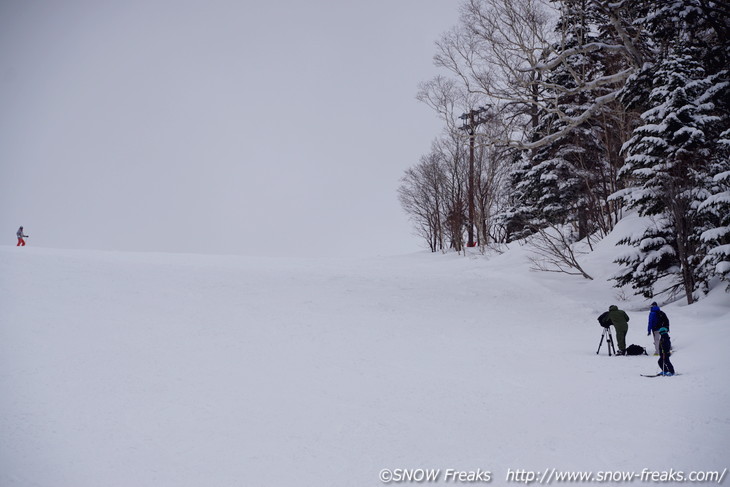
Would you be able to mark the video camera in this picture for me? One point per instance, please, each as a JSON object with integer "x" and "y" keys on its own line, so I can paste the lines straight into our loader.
{"x": 604, "y": 320}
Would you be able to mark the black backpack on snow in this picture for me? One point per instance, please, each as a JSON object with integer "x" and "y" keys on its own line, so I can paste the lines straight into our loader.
{"x": 635, "y": 350}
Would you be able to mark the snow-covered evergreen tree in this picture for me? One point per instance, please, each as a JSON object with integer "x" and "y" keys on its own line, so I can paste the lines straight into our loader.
{"x": 716, "y": 239}
{"x": 667, "y": 162}
{"x": 674, "y": 164}
{"x": 651, "y": 259}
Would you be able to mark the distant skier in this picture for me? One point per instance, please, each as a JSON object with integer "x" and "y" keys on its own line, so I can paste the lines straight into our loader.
{"x": 657, "y": 319}
{"x": 21, "y": 236}
{"x": 665, "y": 351}
{"x": 620, "y": 321}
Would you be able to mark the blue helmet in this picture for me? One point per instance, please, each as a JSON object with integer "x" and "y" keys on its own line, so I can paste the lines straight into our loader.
{"x": 663, "y": 330}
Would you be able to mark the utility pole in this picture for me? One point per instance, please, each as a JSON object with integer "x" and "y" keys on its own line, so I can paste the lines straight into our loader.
{"x": 472, "y": 119}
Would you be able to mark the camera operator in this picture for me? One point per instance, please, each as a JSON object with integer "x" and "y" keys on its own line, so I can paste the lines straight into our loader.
{"x": 620, "y": 321}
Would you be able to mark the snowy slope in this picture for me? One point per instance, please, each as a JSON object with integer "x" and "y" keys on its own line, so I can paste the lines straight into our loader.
{"x": 131, "y": 369}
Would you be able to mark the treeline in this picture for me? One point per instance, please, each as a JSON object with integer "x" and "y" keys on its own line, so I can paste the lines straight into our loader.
{"x": 559, "y": 115}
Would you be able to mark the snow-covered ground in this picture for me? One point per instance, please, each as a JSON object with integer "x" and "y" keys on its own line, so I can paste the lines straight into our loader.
{"x": 132, "y": 369}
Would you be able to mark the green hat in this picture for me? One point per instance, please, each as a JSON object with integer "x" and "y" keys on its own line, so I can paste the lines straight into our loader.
{"x": 663, "y": 330}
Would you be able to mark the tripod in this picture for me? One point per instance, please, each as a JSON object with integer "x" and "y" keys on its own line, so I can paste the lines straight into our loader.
{"x": 609, "y": 341}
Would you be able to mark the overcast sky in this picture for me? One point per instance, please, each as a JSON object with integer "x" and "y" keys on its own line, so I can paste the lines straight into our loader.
{"x": 214, "y": 126}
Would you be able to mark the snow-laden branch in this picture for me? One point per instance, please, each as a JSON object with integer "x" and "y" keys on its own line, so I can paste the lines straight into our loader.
{"x": 572, "y": 123}
{"x": 629, "y": 43}
{"x": 562, "y": 57}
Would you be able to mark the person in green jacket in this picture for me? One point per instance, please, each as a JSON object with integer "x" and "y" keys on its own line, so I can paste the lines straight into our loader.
{"x": 620, "y": 321}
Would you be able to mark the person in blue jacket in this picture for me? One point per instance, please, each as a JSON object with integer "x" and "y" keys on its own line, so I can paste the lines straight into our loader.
{"x": 657, "y": 319}
{"x": 665, "y": 350}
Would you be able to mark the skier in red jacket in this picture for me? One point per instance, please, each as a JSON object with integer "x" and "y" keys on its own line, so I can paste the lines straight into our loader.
{"x": 21, "y": 236}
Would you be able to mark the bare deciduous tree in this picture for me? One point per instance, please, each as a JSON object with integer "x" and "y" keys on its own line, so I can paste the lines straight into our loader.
{"x": 502, "y": 49}
{"x": 421, "y": 195}
{"x": 553, "y": 251}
